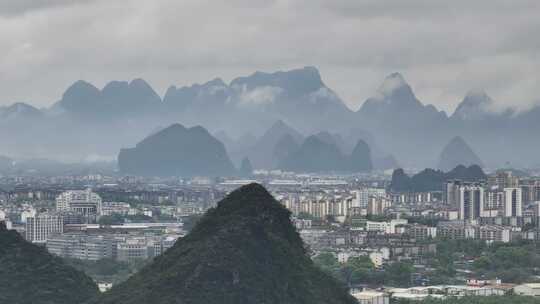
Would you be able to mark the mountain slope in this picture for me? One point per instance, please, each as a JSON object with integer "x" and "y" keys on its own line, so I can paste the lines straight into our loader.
{"x": 360, "y": 159}
{"x": 321, "y": 154}
{"x": 457, "y": 152}
{"x": 315, "y": 155}
{"x": 244, "y": 251}
{"x": 177, "y": 151}
{"x": 246, "y": 169}
{"x": 19, "y": 110}
{"x": 262, "y": 153}
{"x": 30, "y": 275}
{"x": 400, "y": 122}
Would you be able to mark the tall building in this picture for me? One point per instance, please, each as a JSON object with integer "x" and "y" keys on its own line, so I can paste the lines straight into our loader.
{"x": 512, "y": 202}
{"x": 377, "y": 205}
{"x": 41, "y": 226}
{"x": 84, "y": 202}
{"x": 467, "y": 197}
{"x": 503, "y": 179}
{"x": 362, "y": 196}
{"x": 451, "y": 192}
{"x": 471, "y": 202}
{"x": 494, "y": 204}
{"x": 530, "y": 190}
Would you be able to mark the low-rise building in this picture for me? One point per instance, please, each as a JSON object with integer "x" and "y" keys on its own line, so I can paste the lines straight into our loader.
{"x": 528, "y": 289}
{"x": 371, "y": 297}
{"x": 41, "y": 226}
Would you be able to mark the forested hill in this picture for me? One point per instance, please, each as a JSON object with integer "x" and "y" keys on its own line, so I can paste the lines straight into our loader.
{"x": 243, "y": 251}
{"x": 30, "y": 275}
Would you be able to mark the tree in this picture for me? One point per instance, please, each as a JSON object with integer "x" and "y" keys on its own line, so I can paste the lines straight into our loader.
{"x": 113, "y": 219}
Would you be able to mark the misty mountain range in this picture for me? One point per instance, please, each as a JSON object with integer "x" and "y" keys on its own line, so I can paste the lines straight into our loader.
{"x": 249, "y": 116}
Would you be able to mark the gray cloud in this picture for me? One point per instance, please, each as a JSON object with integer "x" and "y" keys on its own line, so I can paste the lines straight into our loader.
{"x": 442, "y": 49}
{"x": 18, "y": 7}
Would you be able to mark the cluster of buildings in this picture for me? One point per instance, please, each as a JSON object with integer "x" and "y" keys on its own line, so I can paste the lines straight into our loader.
{"x": 345, "y": 216}
{"x": 473, "y": 288}
{"x": 126, "y": 247}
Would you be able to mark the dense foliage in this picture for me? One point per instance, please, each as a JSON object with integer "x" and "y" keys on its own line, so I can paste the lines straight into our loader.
{"x": 244, "y": 251}
{"x": 30, "y": 275}
{"x": 360, "y": 270}
{"x": 515, "y": 262}
{"x": 107, "y": 270}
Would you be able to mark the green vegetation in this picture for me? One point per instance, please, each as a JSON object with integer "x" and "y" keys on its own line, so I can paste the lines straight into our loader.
{"x": 244, "y": 251}
{"x": 30, "y": 275}
{"x": 107, "y": 270}
{"x": 113, "y": 219}
{"x": 477, "y": 300}
{"x": 360, "y": 270}
{"x": 515, "y": 262}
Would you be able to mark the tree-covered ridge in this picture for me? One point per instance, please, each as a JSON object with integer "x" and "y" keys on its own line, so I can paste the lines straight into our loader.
{"x": 244, "y": 251}
{"x": 30, "y": 275}
{"x": 433, "y": 180}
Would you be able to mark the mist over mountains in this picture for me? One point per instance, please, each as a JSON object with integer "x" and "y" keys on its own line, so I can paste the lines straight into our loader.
{"x": 252, "y": 115}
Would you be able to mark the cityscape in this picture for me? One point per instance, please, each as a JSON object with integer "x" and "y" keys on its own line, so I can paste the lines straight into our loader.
{"x": 269, "y": 152}
{"x": 343, "y": 220}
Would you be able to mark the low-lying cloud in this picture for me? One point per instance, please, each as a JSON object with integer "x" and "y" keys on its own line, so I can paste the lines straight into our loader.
{"x": 442, "y": 49}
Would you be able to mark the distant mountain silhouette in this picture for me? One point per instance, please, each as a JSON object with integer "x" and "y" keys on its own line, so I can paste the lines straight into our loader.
{"x": 360, "y": 159}
{"x": 246, "y": 169}
{"x": 116, "y": 100}
{"x": 262, "y": 153}
{"x": 400, "y": 122}
{"x": 285, "y": 147}
{"x": 29, "y": 274}
{"x": 177, "y": 151}
{"x": 333, "y": 139}
{"x": 19, "y": 111}
{"x": 393, "y": 122}
{"x": 457, "y": 152}
{"x": 6, "y": 164}
{"x": 477, "y": 105}
{"x": 317, "y": 155}
{"x": 433, "y": 180}
{"x": 244, "y": 251}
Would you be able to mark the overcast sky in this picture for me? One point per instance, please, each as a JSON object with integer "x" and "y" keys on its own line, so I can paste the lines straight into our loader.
{"x": 443, "y": 50}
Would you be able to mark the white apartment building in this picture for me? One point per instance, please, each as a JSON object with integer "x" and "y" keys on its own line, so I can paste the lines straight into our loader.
{"x": 41, "y": 226}
{"x": 512, "y": 202}
{"x": 471, "y": 202}
{"x": 362, "y": 196}
{"x": 83, "y": 202}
